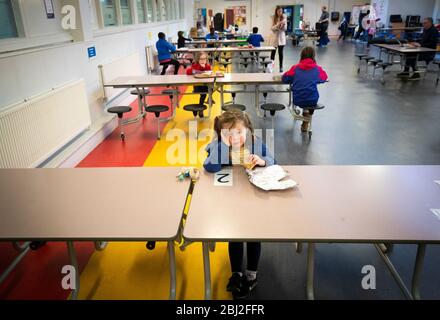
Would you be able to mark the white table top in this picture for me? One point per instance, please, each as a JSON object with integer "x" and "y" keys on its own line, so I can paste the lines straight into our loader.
{"x": 214, "y": 41}
{"x": 332, "y": 203}
{"x": 127, "y": 204}
{"x": 399, "y": 48}
{"x": 259, "y": 78}
{"x": 156, "y": 80}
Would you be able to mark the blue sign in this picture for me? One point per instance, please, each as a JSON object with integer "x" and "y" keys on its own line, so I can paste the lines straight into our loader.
{"x": 92, "y": 52}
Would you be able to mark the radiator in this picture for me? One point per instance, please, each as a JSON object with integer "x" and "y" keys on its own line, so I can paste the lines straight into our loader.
{"x": 152, "y": 58}
{"x": 32, "y": 131}
{"x": 130, "y": 65}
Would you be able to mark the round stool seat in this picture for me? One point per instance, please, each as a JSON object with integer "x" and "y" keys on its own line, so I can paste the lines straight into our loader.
{"x": 384, "y": 64}
{"x": 272, "y": 107}
{"x": 266, "y": 63}
{"x": 367, "y": 58}
{"x": 195, "y": 107}
{"x": 235, "y": 106}
{"x": 374, "y": 61}
{"x": 157, "y": 108}
{"x": 169, "y": 92}
{"x": 119, "y": 109}
{"x": 313, "y": 107}
{"x": 436, "y": 62}
{"x": 143, "y": 92}
{"x": 361, "y": 55}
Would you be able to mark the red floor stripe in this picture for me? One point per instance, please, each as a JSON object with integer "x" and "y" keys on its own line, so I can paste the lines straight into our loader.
{"x": 38, "y": 276}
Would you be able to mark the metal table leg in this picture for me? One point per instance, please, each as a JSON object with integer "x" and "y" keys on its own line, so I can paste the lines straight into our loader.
{"x": 100, "y": 245}
{"x": 172, "y": 259}
{"x": 210, "y": 91}
{"x": 74, "y": 263}
{"x": 310, "y": 270}
{"x": 23, "y": 248}
{"x": 207, "y": 270}
{"x": 222, "y": 98}
{"x": 418, "y": 268}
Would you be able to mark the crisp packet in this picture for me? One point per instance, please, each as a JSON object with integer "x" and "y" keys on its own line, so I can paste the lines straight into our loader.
{"x": 270, "y": 178}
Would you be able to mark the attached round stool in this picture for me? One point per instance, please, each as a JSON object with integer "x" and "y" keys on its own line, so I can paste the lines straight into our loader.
{"x": 437, "y": 62}
{"x": 231, "y": 106}
{"x": 383, "y": 65}
{"x": 157, "y": 110}
{"x": 225, "y": 64}
{"x": 245, "y": 63}
{"x": 120, "y": 110}
{"x": 367, "y": 59}
{"x": 298, "y": 116}
{"x": 195, "y": 109}
{"x": 171, "y": 93}
{"x": 265, "y": 64}
{"x": 360, "y": 56}
{"x": 141, "y": 95}
{"x": 272, "y": 108}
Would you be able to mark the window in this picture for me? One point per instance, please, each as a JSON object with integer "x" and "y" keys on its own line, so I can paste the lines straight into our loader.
{"x": 182, "y": 9}
{"x": 8, "y": 27}
{"x": 109, "y": 12}
{"x": 126, "y": 12}
{"x": 150, "y": 12}
{"x": 140, "y": 11}
{"x": 158, "y": 10}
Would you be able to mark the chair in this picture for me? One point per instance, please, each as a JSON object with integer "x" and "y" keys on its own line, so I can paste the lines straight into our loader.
{"x": 120, "y": 110}
{"x": 296, "y": 113}
{"x": 272, "y": 108}
{"x": 157, "y": 110}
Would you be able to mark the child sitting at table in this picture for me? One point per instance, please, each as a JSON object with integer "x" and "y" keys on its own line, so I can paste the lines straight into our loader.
{"x": 164, "y": 51}
{"x": 181, "y": 40}
{"x": 200, "y": 65}
{"x": 304, "y": 79}
{"x": 255, "y": 38}
{"x": 234, "y": 132}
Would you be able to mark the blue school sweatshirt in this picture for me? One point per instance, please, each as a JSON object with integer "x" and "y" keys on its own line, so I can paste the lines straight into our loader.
{"x": 164, "y": 50}
{"x": 255, "y": 39}
{"x": 218, "y": 155}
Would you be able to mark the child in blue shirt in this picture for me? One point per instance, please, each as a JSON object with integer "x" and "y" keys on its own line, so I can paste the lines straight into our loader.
{"x": 235, "y": 132}
{"x": 165, "y": 50}
{"x": 255, "y": 38}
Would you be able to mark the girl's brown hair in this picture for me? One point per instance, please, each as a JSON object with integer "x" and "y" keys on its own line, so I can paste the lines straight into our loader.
{"x": 276, "y": 19}
{"x": 230, "y": 118}
{"x": 198, "y": 55}
{"x": 308, "y": 53}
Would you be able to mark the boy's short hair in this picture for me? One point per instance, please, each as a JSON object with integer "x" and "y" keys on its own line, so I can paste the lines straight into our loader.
{"x": 255, "y": 29}
{"x": 161, "y": 35}
{"x": 211, "y": 30}
{"x": 308, "y": 53}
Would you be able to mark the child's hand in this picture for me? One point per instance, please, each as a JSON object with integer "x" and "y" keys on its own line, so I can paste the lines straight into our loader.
{"x": 256, "y": 160}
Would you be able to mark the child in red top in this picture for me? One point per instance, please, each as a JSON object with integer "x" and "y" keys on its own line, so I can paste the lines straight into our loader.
{"x": 200, "y": 65}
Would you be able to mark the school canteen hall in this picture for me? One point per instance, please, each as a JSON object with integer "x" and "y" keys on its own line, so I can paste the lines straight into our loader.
{"x": 213, "y": 149}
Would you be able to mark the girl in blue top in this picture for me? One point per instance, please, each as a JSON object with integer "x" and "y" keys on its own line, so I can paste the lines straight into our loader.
{"x": 235, "y": 132}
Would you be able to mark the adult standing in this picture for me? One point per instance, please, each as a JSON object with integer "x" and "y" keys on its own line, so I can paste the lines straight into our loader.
{"x": 278, "y": 39}
{"x": 323, "y": 21}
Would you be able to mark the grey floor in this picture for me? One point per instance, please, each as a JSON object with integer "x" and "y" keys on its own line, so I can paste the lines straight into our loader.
{"x": 364, "y": 122}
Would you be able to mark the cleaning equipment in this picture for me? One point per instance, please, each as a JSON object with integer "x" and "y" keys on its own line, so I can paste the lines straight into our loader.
{"x": 194, "y": 175}
{"x": 270, "y": 178}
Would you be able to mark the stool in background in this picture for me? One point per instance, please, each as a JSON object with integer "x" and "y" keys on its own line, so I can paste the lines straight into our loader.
{"x": 141, "y": 96}
{"x": 120, "y": 110}
{"x": 196, "y": 109}
{"x": 157, "y": 110}
{"x": 272, "y": 108}
{"x": 235, "y": 106}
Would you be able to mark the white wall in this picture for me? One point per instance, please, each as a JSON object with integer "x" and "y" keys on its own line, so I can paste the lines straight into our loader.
{"x": 424, "y": 8}
{"x": 30, "y": 72}
{"x": 260, "y": 11}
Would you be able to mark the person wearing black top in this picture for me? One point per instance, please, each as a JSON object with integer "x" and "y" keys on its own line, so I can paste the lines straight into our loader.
{"x": 429, "y": 40}
{"x": 181, "y": 40}
{"x": 323, "y": 21}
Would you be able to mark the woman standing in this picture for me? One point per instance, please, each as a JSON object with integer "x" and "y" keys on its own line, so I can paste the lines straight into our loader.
{"x": 279, "y": 27}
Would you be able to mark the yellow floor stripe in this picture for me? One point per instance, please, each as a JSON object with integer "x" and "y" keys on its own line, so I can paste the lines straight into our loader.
{"x": 130, "y": 271}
